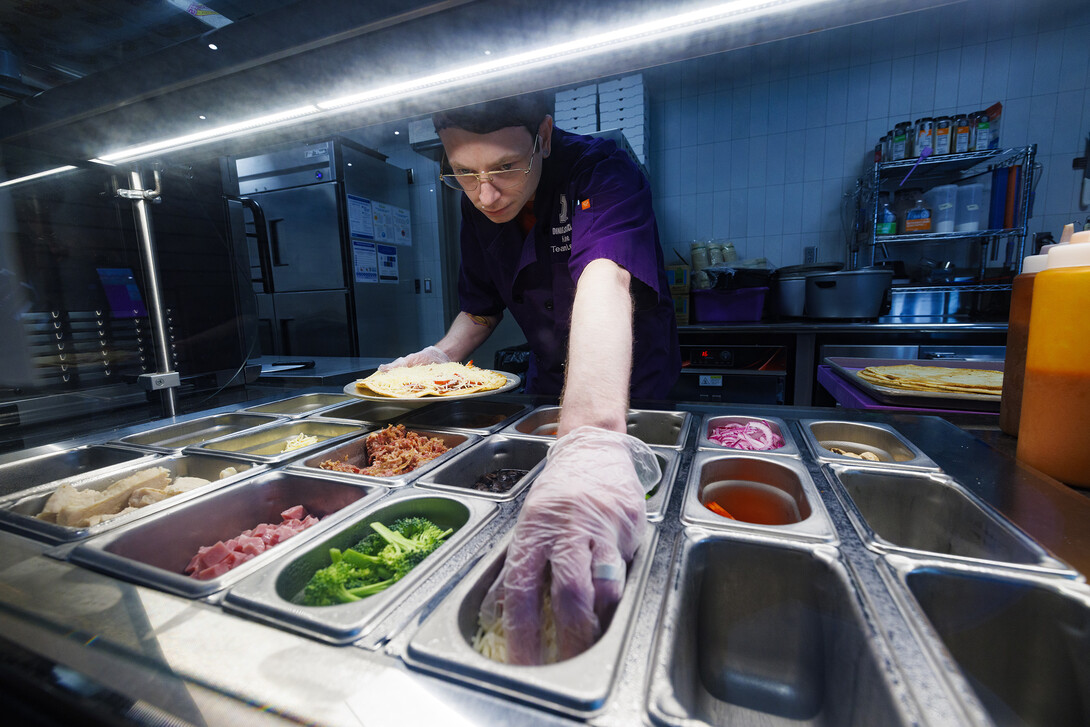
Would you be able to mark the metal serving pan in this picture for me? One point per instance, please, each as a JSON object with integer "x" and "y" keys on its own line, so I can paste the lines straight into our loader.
{"x": 879, "y": 439}
{"x": 478, "y": 414}
{"x": 65, "y": 465}
{"x": 300, "y": 406}
{"x": 657, "y": 428}
{"x": 154, "y": 551}
{"x": 767, "y": 493}
{"x": 659, "y": 497}
{"x": 495, "y": 452}
{"x": 777, "y": 425}
{"x": 758, "y": 632}
{"x": 267, "y": 443}
{"x": 1018, "y": 643}
{"x": 578, "y": 686}
{"x": 18, "y": 512}
{"x": 355, "y": 452}
{"x": 274, "y": 594}
{"x": 176, "y": 437}
{"x": 929, "y": 514}
{"x": 376, "y": 412}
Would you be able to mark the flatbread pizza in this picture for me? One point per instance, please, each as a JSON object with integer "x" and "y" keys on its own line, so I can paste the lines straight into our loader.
{"x": 935, "y": 378}
{"x": 445, "y": 379}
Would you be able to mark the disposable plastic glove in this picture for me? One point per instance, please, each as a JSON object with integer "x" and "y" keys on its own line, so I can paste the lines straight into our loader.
{"x": 582, "y": 520}
{"x": 430, "y": 355}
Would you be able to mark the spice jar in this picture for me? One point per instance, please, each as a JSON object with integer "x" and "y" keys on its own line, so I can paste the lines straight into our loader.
{"x": 963, "y": 134}
{"x": 982, "y": 131}
{"x": 925, "y": 134}
{"x": 899, "y": 148}
{"x": 943, "y": 131}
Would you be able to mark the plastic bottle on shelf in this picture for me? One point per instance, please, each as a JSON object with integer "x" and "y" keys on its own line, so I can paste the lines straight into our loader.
{"x": 918, "y": 219}
{"x": 1055, "y": 417}
{"x": 887, "y": 221}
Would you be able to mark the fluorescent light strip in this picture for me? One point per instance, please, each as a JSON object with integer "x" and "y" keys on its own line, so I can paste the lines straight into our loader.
{"x": 658, "y": 29}
{"x": 37, "y": 175}
{"x": 220, "y": 132}
{"x": 653, "y": 30}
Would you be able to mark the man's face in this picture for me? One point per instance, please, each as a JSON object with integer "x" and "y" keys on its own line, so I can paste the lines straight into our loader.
{"x": 508, "y": 148}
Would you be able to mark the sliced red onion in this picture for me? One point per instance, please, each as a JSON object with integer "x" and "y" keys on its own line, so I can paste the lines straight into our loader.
{"x": 751, "y": 436}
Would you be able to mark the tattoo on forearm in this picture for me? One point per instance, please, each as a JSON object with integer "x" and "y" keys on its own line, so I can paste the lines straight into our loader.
{"x": 480, "y": 320}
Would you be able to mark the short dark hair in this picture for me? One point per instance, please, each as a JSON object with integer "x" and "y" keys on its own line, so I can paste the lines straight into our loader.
{"x": 527, "y": 110}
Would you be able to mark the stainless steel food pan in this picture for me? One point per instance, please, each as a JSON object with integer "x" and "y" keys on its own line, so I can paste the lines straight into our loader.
{"x": 63, "y": 465}
{"x": 355, "y": 452}
{"x": 479, "y": 414}
{"x": 778, "y": 426}
{"x": 176, "y": 437}
{"x": 856, "y": 437}
{"x": 769, "y": 494}
{"x": 578, "y": 686}
{"x": 498, "y": 451}
{"x": 1021, "y": 644}
{"x": 376, "y": 412}
{"x": 927, "y": 513}
{"x": 657, "y": 428}
{"x": 275, "y": 594}
{"x": 269, "y": 444}
{"x": 17, "y": 513}
{"x": 659, "y": 497}
{"x": 155, "y": 550}
{"x": 769, "y": 633}
{"x": 300, "y": 406}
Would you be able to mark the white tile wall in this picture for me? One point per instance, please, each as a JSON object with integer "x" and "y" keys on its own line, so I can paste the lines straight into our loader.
{"x": 790, "y": 126}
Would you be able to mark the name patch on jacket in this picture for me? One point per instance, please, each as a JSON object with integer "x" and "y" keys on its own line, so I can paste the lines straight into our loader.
{"x": 561, "y": 241}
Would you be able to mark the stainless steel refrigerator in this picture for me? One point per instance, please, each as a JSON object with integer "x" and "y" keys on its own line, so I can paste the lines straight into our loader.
{"x": 328, "y": 231}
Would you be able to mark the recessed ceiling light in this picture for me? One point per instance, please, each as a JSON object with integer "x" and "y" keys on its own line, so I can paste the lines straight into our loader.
{"x": 397, "y": 133}
{"x": 202, "y": 117}
{"x": 488, "y": 52}
{"x": 213, "y": 46}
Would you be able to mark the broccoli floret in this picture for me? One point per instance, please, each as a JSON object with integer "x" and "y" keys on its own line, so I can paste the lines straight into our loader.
{"x": 374, "y": 563}
{"x": 327, "y": 586}
{"x": 421, "y": 531}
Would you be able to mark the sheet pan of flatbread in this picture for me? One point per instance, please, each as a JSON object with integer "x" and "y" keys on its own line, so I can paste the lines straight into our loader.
{"x": 967, "y": 385}
{"x": 439, "y": 381}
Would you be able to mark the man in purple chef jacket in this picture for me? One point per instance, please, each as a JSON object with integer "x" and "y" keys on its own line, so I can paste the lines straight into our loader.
{"x": 559, "y": 229}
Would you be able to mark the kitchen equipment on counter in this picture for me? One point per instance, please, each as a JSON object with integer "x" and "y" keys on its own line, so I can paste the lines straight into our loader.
{"x": 861, "y": 293}
{"x": 789, "y": 284}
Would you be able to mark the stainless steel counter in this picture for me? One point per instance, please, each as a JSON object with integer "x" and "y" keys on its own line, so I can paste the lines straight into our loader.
{"x": 861, "y": 609}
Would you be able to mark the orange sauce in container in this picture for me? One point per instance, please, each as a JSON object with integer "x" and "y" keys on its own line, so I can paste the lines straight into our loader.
{"x": 752, "y": 502}
{"x": 1054, "y": 428}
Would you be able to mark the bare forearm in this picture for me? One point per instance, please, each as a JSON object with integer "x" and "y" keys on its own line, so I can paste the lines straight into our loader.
{"x": 599, "y": 350}
{"x": 465, "y": 334}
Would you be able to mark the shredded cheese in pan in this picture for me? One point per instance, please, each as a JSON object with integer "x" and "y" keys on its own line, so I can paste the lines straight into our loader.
{"x": 491, "y": 641}
{"x": 298, "y": 442}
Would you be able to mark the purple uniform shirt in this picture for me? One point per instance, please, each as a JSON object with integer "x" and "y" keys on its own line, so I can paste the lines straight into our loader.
{"x": 592, "y": 202}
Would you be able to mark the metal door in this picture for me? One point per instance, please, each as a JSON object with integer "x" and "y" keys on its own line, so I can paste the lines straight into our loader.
{"x": 304, "y": 238}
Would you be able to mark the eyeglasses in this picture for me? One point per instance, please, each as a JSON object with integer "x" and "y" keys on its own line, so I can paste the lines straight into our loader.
{"x": 505, "y": 177}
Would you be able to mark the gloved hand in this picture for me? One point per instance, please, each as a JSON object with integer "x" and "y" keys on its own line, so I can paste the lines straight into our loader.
{"x": 584, "y": 518}
{"x": 430, "y": 355}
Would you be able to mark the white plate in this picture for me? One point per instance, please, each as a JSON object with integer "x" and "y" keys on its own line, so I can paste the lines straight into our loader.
{"x": 513, "y": 380}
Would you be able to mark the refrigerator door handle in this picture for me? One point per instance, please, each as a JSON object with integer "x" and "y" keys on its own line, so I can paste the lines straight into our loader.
{"x": 274, "y": 242}
{"x": 261, "y": 231}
